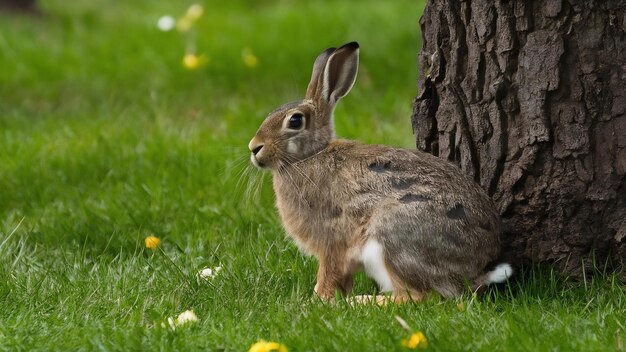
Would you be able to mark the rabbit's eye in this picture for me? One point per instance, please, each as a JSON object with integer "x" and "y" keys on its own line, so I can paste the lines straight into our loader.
{"x": 296, "y": 121}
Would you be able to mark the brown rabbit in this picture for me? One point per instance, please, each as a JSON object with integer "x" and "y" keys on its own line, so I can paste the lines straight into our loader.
{"x": 413, "y": 221}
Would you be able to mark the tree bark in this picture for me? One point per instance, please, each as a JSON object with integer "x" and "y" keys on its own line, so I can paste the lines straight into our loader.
{"x": 19, "y": 5}
{"x": 529, "y": 99}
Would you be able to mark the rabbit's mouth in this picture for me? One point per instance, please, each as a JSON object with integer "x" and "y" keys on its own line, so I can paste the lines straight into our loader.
{"x": 256, "y": 162}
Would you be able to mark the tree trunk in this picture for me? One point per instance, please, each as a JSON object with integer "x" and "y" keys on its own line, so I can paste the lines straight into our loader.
{"x": 529, "y": 99}
{"x": 19, "y": 5}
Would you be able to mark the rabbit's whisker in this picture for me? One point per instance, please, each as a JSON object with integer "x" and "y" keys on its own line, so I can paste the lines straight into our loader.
{"x": 289, "y": 178}
{"x": 230, "y": 165}
{"x": 292, "y": 164}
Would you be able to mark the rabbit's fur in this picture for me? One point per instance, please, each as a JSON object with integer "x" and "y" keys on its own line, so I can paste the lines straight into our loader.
{"x": 413, "y": 221}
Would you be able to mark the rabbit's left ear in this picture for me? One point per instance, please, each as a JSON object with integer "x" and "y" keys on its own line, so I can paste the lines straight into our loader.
{"x": 340, "y": 72}
{"x": 317, "y": 77}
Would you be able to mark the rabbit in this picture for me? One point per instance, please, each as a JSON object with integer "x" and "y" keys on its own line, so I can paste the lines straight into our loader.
{"x": 412, "y": 221}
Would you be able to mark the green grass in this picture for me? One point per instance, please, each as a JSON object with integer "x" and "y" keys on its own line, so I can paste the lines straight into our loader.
{"x": 105, "y": 139}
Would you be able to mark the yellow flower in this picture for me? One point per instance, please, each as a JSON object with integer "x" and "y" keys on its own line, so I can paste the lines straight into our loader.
{"x": 193, "y": 61}
{"x": 460, "y": 306}
{"x": 184, "y": 24}
{"x": 264, "y": 346}
{"x": 417, "y": 340}
{"x": 249, "y": 59}
{"x": 152, "y": 242}
{"x": 194, "y": 12}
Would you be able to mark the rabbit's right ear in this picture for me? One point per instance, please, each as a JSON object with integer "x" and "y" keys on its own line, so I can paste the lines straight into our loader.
{"x": 340, "y": 73}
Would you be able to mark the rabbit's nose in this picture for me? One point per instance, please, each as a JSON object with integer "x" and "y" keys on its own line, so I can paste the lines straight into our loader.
{"x": 255, "y": 146}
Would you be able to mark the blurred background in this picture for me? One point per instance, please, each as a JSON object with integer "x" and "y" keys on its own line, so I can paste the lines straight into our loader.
{"x": 107, "y": 106}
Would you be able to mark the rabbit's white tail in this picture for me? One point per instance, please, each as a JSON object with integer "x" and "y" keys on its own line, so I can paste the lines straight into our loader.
{"x": 499, "y": 274}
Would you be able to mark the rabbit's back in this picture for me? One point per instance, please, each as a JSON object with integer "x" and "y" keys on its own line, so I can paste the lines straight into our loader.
{"x": 354, "y": 175}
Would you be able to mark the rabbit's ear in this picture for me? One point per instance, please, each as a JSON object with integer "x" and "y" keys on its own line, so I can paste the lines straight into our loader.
{"x": 340, "y": 72}
{"x": 318, "y": 71}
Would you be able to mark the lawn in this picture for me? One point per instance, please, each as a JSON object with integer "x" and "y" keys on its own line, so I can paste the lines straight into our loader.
{"x": 106, "y": 138}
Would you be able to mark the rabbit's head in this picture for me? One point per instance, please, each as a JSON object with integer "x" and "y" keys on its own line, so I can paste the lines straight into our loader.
{"x": 300, "y": 129}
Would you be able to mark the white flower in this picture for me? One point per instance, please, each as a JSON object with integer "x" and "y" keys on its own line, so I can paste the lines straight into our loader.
{"x": 171, "y": 323}
{"x": 166, "y": 23}
{"x": 185, "y": 317}
{"x": 209, "y": 273}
